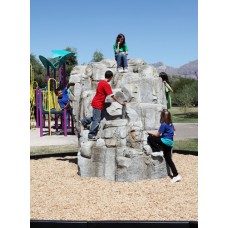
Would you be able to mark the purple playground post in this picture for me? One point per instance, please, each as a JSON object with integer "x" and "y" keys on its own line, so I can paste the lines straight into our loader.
{"x": 37, "y": 108}
{"x": 64, "y": 122}
{"x": 54, "y": 78}
{"x": 56, "y": 116}
{"x": 196, "y": 74}
{"x": 60, "y": 77}
{"x": 72, "y": 124}
{"x": 48, "y": 76}
{"x": 49, "y": 123}
{"x": 64, "y": 75}
{"x": 41, "y": 113}
{"x": 55, "y": 74}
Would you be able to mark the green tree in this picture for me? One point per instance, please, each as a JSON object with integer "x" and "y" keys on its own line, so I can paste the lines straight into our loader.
{"x": 184, "y": 98}
{"x": 72, "y": 61}
{"x": 97, "y": 56}
{"x": 39, "y": 71}
{"x": 185, "y": 92}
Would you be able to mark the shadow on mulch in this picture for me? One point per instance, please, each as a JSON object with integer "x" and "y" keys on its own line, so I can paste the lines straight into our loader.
{"x": 186, "y": 152}
{"x": 70, "y": 160}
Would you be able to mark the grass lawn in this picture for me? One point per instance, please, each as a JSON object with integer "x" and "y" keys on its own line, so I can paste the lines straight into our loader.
{"x": 179, "y": 116}
{"x": 52, "y": 149}
{"x": 187, "y": 144}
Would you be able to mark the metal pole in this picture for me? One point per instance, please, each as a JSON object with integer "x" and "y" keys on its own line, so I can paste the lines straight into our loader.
{"x": 37, "y": 108}
{"x": 60, "y": 77}
{"x": 41, "y": 113}
{"x": 64, "y": 75}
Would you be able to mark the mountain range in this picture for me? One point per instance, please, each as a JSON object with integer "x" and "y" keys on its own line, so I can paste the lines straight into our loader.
{"x": 188, "y": 70}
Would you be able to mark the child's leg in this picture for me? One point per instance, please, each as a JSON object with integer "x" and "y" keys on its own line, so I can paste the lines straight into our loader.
{"x": 155, "y": 143}
{"x": 86, "y": 120}
{"x": 124, "y": 57}
{"x": 118, "y": 60}
{"x": 95, "y": 122}
{"x": 68, "y": 113}
{"x": 168, "y": 158}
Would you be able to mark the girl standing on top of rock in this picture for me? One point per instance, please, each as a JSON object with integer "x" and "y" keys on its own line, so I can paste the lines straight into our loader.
{"x": 121, "y": 52}
{"x": 168, "y": 88}
{"x": 162, "y": 140}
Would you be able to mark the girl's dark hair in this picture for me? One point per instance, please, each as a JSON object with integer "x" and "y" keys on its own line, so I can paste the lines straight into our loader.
{"x": 120, "y": 36}
{"x": 165, "y": 117}
{"x": 108, "y": 74}
{"x": 164, "y": 77}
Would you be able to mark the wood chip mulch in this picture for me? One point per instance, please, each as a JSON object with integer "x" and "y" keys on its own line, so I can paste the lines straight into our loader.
{"x": 57, "y": 192}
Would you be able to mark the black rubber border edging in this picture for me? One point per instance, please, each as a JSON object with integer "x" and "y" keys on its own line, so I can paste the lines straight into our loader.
{"x": 40, "y": 156}
{"x": 112, "y": 224}
{"x": 186, "y": 152}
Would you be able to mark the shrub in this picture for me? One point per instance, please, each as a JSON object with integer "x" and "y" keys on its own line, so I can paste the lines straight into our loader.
{"x": 185, "y": 92}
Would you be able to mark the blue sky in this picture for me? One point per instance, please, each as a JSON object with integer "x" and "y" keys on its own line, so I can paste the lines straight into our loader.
{"x": 161, "y": 30}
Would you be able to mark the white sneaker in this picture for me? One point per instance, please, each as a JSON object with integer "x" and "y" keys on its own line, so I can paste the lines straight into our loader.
{"x": 120, "y": 70}
{"x": 125, "y": 70}
{"x": 176, "y": 179}
{"x": 157, "y": 153}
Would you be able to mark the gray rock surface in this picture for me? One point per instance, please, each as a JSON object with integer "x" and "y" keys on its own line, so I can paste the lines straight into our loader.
{"x": 121, "y": 153}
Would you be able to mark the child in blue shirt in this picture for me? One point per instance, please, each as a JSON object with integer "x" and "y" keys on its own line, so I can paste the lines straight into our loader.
{"x": 163, "y": 141}
{"x": 63, "y": 96}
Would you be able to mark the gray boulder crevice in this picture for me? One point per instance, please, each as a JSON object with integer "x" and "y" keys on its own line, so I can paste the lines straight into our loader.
{"x": 121, "y": 153}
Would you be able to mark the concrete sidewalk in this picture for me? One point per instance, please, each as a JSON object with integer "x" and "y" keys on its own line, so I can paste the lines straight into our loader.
{"x": 60, "y": 143}
{"x": 186, "y": 131}
{"x": 54, "y": 143}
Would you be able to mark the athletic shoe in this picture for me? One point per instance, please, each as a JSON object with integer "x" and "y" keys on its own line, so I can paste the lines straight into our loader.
{"x": 59, "y": 132}
{"x": 176, "y": 179}
{"x": 120, "y": 70}
{"x": 157, "y": 153}
{"x": 85, "y": 126}
{"x": 93, "y": 138}
{"x": 125, "y": 70}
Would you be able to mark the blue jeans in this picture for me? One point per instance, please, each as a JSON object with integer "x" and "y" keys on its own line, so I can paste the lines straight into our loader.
{"x": 121, "y": 60}
{"x": 94, "y": 120}
{"x": 68, "y": 113}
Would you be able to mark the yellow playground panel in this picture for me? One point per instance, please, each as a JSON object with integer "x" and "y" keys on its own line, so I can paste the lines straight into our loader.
{"x": 32, "y": 98}
{"x": 50, "y": 101}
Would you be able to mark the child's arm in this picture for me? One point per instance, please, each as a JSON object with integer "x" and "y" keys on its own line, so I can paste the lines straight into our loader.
{"x": 126, "y": 50}
{"x": 154, "y": 133}
{"x": 70, "y": 84}
{"x": 114, "y": 98}
{"x": 168, "y": 86}
{"x": 117, "y": 47}
{"x": 67, "y": 105}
